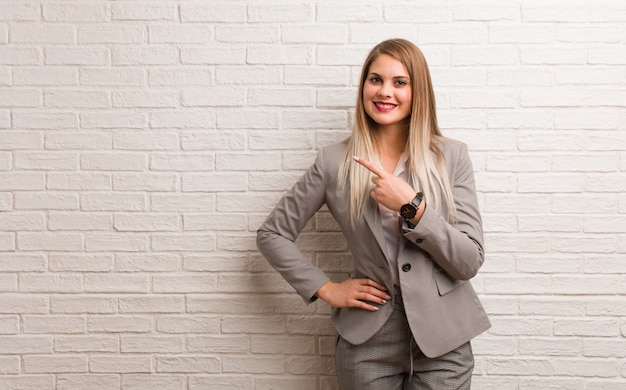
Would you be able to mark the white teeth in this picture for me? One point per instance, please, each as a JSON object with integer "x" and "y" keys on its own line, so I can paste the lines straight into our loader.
{"x": 385, "y": 106}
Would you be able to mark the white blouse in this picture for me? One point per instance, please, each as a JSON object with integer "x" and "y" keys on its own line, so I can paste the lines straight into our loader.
{"x": 392, "y": 222}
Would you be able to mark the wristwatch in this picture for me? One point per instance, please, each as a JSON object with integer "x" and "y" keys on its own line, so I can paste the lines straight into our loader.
{"x": 409, "y": 210}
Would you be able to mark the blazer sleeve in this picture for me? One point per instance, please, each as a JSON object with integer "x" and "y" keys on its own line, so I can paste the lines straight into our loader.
{"x": 458, "y": 248}
{"x": 277, "y": 235}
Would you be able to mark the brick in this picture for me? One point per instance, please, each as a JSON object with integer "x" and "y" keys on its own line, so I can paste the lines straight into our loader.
{"x": 155, "y": 55}
{"x": 144, "y": 182}
{"x": 215, "y": 182}
{"x": 115, "y": 283}
{"x": 59, "y": 34}
{"x": 183, "y": 242}
{"x": 123, "y": 242}
{"x": 118, "y": 161}
{"x": 52, "y": 324}
{"x": 87, "y": 381}
{"x": 22, "y": 222}
{"x": 111, "y": 33}
{"x": 611, "y": 12}
{"x": 519, "y": 366}
{"x": 128, "y": 262}
{"x": 76, "y": 56}
{"x": 184, "y": 325}
{"x": 221, "y": 382}
{"x": 119, "y": 324}
{"x": 120, "y": 364}
{"x": 586, "y": 367}
{"x": 79, "y": 181}
{"x": 181, "y": 162}
{"x": 75, "y": 12}
{"x": 315, "y": 33}
{"x": 108, "y": 201}
{"x": 139, "y": 99}
{"x": 151, "y": 344}
{"x": 152, "y": 304}
{"x": 254, "y": 325}
{"x": 46, "y": 201}
{"x": 216, "y": 344}
{"x": 479, "y": 55}
{"x": 180, "y": 76}
{"x": 65, "y": 262}
{"x": 114, "y": 120}
{"x": 76, "y": 99}
{"x": 21, "y": 56}
{"x": 30, "y": 241}
{"x": 45, "y": 120}
{"x": 370, "y": 34}
{"x": 597, "y": 203}
{"x": 19, "y": 382}
{"x": 254, "y": 364}
{"x": 50, "y": 283}
{"x": 328, "y": 75}
{"x": 339, "y": 56}
{"x": 211, "y": 140}
{"x": 214, "y": 97}
{"x": 20, "y": 12}
{"x": 182, "y": 202}
{"x": 20, "y": 97}
{"x": 143, "y": 10}
{"x": 17, "y": 345}
{"x": 9, "y": 365}
{"x": 561, "y": 12}
{"x": 188, "y": 34}
{"x": 325, "y": 119}
{"x": 249, "y": 304}
{"x": 230, "y": 54}
{"x": 280, "y": 12}
{"x": 248, "y": 34}
{"x": 153, "y": 380}
{"x": 52, "y": 161}
{"x": 182, "y": 119}
{"x": 247, "y": 119}
{"x": 146, "y": 222}
{"x": 22, "y": 262}
{"x": 198, "y": 364}
{"x": 282, "y": 54}
{"x": 280, "y": 97}
{"x": 213, "y": 12}
{"x": 117, "y": 76}
{"x": 24, "y": 303}
{"x": 7, "y": 242}
{"x": 209, "y": 222}
{"x": 69, "y": 304}
{"x": 215, "y": 262}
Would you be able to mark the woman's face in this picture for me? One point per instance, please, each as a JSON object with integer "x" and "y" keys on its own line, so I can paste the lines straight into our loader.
{"x": 387, "y": 93}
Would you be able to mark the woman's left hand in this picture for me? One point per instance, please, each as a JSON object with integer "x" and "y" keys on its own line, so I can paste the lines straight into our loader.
{"x": 390, "y": 191}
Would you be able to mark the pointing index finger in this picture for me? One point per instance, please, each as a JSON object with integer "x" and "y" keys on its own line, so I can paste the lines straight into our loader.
{"x": 371, "y": 167}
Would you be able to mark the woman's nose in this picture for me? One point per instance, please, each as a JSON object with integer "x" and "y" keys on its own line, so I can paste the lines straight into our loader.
{"x": 383, "y": 91}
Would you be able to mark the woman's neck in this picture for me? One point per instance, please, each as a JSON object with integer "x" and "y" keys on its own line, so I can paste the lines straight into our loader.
{"x": 390, "y": 146}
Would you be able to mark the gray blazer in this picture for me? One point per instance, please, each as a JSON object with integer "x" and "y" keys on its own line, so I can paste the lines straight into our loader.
{"x": 435, "y": 260}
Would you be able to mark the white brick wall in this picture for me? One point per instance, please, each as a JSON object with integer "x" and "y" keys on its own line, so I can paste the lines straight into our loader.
{"x": 143, "y": 142}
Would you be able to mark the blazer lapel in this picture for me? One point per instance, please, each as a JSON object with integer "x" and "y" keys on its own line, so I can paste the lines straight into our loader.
{"x": 372, "y": 217}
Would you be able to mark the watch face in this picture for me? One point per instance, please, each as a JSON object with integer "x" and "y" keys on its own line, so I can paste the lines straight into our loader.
{"x": 408, "y": 211}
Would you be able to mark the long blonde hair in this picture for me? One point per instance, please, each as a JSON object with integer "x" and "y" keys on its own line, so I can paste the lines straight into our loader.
{"x": 426, "y": 166}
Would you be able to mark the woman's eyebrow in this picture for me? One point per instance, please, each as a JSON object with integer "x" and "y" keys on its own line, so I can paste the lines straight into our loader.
{"x": 394, "y": 77}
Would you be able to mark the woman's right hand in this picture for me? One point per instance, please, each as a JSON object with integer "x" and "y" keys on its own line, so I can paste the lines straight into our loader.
{"x": 354, "y": 293}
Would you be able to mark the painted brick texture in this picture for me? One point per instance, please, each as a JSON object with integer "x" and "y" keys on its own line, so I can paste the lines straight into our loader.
{"x": 143, "y": 142}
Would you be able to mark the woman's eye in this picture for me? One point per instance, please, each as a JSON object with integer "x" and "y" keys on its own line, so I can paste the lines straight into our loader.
{"x": 401, "y": 83}
{"x": 375, "y": 80}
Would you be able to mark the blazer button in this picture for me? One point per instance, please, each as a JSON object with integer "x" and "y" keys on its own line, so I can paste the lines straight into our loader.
{"x": 406, "y": 267}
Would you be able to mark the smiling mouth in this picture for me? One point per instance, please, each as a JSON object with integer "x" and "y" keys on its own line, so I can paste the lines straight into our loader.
{"x": 384, "y": 106}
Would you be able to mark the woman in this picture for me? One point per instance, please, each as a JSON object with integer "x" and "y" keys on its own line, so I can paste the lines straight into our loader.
{"x": 404, "y": 198}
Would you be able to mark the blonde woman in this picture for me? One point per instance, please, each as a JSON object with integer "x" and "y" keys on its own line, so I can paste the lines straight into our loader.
{"x": 404, "y": 198}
